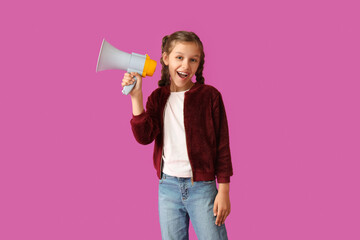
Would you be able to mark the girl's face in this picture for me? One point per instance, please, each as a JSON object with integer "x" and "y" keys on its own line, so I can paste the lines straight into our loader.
{"x": 183, "y": 62}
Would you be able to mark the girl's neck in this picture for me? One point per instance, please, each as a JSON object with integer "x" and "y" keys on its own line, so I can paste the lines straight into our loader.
{"x": 174, "y": 88}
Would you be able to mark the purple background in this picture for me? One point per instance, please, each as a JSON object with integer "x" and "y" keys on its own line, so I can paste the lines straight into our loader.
{"x": 289, "y": 75}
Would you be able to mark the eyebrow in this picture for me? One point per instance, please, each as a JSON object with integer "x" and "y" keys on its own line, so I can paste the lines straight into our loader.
{"x": 193, "y": 56}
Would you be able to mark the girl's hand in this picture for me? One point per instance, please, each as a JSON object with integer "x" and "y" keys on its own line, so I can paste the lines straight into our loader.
{"x": 129, "y": 79}
{"x": 221, "y": 207}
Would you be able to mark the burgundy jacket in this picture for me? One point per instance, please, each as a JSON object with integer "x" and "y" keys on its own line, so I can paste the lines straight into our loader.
{"x": 206, "y": 130}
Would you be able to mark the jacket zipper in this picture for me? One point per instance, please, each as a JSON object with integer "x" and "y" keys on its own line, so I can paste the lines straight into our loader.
{"x": 161, "y": 163}
{"x": 187, "y": 149}
{"x": 162, "y": 151}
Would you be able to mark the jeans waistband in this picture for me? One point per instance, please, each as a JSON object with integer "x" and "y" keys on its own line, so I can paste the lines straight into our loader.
{"x": 164, "y": 175}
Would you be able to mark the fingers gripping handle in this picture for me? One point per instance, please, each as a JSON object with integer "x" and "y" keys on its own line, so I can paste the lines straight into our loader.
{"x": 127, "y": 89}
{"x": 137, "y": 63}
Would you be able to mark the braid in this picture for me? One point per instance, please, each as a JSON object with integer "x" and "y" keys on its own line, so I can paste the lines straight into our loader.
{"x": 165, "y": 75}
{"x": 199, "y": 72}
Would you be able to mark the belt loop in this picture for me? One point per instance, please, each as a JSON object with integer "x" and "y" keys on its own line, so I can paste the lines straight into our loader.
{"x": 192, "y": 181}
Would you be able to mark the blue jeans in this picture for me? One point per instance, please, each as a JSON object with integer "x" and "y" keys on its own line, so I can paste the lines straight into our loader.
{"x": 180, "y": 201}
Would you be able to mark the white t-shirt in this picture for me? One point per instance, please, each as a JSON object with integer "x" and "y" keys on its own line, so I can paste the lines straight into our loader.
{"x": 175, "y": 155}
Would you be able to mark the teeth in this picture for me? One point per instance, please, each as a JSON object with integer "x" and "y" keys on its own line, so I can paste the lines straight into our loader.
{"x": 183, "y": 74}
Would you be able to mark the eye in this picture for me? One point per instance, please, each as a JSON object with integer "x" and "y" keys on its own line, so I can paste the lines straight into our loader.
{"x": 179, "y": 57}
{"x": 194, "y": 60}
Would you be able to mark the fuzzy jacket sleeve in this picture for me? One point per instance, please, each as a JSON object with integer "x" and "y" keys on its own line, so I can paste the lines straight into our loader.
{"x": 223, "y": 163}
{"x": 146, "y": 126}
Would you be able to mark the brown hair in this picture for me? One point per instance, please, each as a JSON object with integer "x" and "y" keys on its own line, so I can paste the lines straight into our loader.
{"x": 168, "y": 43}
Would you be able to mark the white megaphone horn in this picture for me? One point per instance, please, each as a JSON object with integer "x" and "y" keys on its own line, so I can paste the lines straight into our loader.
{"x": 112, "y": 58}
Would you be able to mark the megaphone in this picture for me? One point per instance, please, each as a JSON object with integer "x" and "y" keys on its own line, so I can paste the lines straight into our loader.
{"x": 112, "y": 58}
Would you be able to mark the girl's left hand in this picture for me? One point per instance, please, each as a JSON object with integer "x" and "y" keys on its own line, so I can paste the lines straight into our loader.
{"x": 221, "y": 207}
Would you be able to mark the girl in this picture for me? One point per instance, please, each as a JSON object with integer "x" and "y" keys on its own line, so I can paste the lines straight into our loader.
{"x": 188, "y": 122}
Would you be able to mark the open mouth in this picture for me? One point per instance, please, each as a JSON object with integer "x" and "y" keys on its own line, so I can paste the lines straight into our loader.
{"x": 182, "y": 74}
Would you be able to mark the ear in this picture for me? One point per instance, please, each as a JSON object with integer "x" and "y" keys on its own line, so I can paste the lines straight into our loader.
{"x": 165, "y": 58}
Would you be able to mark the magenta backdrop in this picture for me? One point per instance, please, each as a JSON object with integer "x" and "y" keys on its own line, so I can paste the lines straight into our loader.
{"x": 289, "y": 74}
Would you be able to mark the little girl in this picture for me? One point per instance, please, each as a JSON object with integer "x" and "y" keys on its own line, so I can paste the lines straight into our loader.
{"x": 188, "y": 122}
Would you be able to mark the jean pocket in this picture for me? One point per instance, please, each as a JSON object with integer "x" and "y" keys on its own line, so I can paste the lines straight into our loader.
{"x": 161, "y": 180}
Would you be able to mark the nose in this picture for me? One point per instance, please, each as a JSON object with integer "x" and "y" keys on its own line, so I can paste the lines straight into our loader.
{"x": 185, "y": 64}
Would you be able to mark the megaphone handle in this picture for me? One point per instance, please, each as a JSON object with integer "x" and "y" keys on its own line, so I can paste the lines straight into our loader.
{"x": 127, "y": 89}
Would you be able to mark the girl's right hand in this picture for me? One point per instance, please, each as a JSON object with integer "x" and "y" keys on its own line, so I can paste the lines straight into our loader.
{"x": 129, "y": 79}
